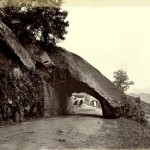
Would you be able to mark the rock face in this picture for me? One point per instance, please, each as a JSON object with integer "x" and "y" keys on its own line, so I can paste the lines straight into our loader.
{"x": 80, "y": 76}
{"x": 71, "y": 74}
{"x": 40, "y": 83}
{"x": 15, "y": 46}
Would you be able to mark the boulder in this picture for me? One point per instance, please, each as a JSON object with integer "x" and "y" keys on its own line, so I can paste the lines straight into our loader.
{"x": 63, "y": 73}
{"x": 83, "y": 77}
{"x": 38, "y": 54}
{"x": 15, "y": 46}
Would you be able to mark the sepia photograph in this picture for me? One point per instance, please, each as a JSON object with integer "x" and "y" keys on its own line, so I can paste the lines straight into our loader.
{"x": 74, "y": 74}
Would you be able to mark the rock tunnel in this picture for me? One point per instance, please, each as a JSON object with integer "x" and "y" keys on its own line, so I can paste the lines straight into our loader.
{"x": 79, "y": 87}
{"x": 79, "y": 76}
{"x": 71, "y": 73}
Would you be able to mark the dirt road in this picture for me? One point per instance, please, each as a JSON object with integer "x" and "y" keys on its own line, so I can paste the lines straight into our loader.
{"x": 75, "y": 132}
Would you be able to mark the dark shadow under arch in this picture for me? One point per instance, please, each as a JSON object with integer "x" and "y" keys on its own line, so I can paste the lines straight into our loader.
{"x": 73, "y": 85}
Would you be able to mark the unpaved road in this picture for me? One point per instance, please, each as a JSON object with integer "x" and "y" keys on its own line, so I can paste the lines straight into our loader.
{"x": 75, "y": 132}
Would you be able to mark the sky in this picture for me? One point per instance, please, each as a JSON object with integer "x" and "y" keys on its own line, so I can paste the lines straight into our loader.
{"x": 111, "y": 37}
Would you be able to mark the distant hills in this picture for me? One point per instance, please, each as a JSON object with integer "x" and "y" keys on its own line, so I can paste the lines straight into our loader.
{"x": 144, "y": 96}
{"x": 146, "y": 90}
{"x": 138, "y": 91}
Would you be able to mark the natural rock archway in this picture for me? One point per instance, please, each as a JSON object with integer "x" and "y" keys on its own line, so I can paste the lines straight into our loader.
{"x": 80, "y": 76}
{"x": 60, "y": 73}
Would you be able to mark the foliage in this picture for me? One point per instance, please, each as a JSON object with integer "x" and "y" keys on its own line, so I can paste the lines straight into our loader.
{"x": 32, "y": 3}
{"x": 20, "y": 98}
{"x": 133, "y": 110}
{"x": 47, "y": 24}
{"x": 122, "y": 80}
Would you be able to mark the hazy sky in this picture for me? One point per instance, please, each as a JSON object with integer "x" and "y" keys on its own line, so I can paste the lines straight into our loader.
{"x": 112, "y": 38}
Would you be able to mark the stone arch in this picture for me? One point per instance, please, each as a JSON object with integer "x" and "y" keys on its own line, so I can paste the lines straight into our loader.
{"x": 78, "y": 87}
{"x": 80, "y": 76}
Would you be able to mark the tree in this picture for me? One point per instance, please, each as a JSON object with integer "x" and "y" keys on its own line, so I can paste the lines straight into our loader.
{"x": 46, "y": 23}
{"x": 122, "y": 80}
{"x": 32, "y": 3}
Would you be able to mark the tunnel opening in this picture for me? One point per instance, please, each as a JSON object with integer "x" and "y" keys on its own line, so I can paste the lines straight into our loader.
{"x": 64, "y": 88}
{"x": 84, "y": 104}
{"x": 78, "y": 86}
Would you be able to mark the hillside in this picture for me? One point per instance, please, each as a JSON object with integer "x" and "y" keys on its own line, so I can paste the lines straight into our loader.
{"x": 144, "y": 96}
{"x": 146, "y": 107}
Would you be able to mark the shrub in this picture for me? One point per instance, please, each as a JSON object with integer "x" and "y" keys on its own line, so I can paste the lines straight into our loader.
{"x": 133, "y": 110}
